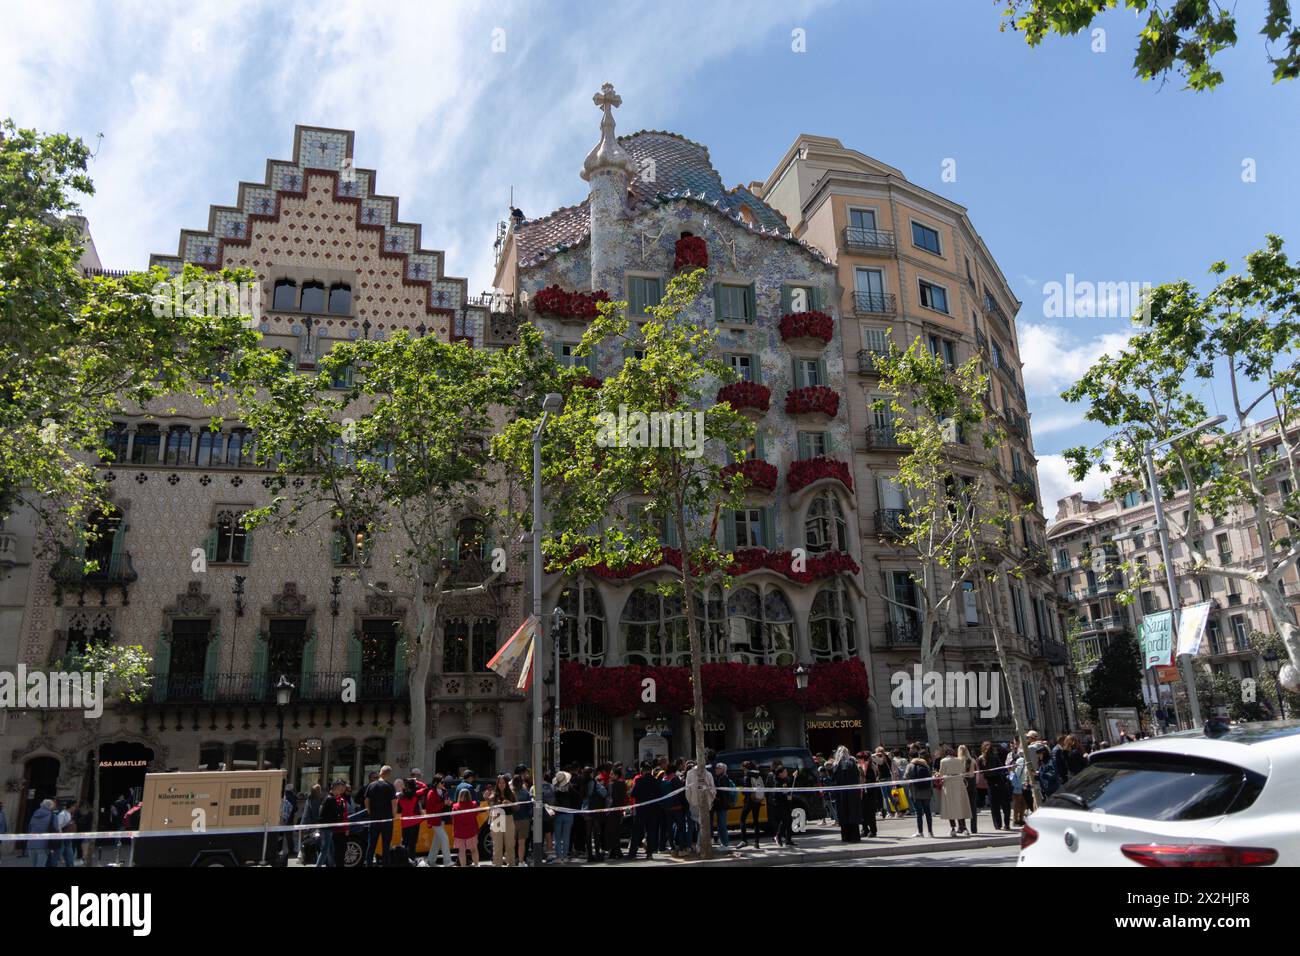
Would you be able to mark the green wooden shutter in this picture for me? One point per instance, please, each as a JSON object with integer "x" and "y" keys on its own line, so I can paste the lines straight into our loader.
{"x": 261, "y": 654}
{"x": 729, "y": 530}
{"x": 336, "y": 547}
{"x": 248, "y": 547}
{"x": 803, "y": 446}
{"x": 308, "y": 663}
{"x": 787, "y": 299}
{"x": 765, "y": 526}
{"x": 717, "y": 301}
{"x": 758, "y": 445}
{"x": 756, "y": 368}
{"x": 657, "y": 285}
{"x": 831, "y": 445}
{"x": 635, "y": 295}
{"x": 795, "y": 381}
{"x": 354, "y": 655}
{"x": 815, "y": 300}
{"x": 115, "y": 558}
{"x": 211, "y": 662}
{"x": 162, "y": 661}
{"x": 210, "y": 545}
{"x": 821, "y": 372}
{"x": 751, "y": 303}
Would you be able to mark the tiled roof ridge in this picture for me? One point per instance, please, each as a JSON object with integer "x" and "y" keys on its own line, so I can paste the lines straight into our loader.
{"x": 667, "y": 132}
{"x": 581, "y": 204}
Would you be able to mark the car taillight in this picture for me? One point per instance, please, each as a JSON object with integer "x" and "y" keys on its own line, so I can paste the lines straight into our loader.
{"x": 1198, "y": 854}
{"x": 1028, "y": 837}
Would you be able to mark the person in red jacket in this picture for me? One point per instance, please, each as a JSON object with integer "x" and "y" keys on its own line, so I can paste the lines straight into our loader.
{"x": 464, "y": 827}
{"x": 410, "y": 806}
{"x": 436, "y": 801}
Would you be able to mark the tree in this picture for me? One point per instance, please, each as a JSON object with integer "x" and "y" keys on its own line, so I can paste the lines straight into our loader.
{"x": 127, "y": 672}
{"x": 402, "y": 452}
{"x": 1244, "y": 330}
{"x": 1116, "y": 681}
{"x": 956, "y": 529}
{"x": 74, "y": 350}
{"x": 1186, "y": 37}
{"x": 616, "y": 495}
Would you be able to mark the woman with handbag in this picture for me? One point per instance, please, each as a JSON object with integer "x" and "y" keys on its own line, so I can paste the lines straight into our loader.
{"x": 954, "y": 803}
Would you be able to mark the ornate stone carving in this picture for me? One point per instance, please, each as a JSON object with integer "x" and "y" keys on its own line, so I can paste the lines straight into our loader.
{"x": 193, "y": 603}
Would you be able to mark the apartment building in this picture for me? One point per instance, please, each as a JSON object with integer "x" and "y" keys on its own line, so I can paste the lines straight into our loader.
{"x": 909, "y": 264}
{"x": 334, "y": 262}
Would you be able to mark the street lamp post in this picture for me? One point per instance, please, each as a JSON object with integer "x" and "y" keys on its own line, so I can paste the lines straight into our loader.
{"x": 557, "y": 635}
{"x": 551, "y": 403}
{"x": 801, "y": 673}
{"x": 283, "y": 693}
{"x": 1162, "y": 532}
{"x": 1273, "y": 663}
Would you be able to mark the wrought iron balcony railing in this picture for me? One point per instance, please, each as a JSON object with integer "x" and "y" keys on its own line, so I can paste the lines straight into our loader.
{"x": 871, "y": 240}
{"x": 875, "y": 303}
{"x": 890, "y": 522}
{"x": 882, "y": 437}
{"x": 903, "y": 633}
{"x": 867, "y": 360}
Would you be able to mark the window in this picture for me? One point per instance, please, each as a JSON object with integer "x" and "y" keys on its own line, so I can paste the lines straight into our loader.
{"x": 832, "y": 631}
{"x": 341, "y": 377}
{"x": 749, "y": 528}
{"x": 923, "y": 237}
{"x": 285, "y": 296}
{"x": 1223, "y": 543}
{"x": 734, "y": 303}
{"x": 995, "y": 353}
{"x": 970, "y": 604}
{"x": 798, "y": 298}
{"x": 812, "y": 444}
{"x": 178, "y": 445}
{"x": 863, "y": 221}
{"x": 115, "y": 441}
{"x": 1160, "y": 786}
{"x": 945, "y": 350}
{"x": 653, "y": 630}
{"x": 351, "y": 546}
{"x": 471, "y": 540}
{"x": 239, "y": 449}
{"x": 642, "y": 293}
{"x": 285, "y": 641}
{"x": 564, "y": 352}
{"x": 825, "y": 528}
{"x": 904, "y": 619}
{"x": 1240, "y": 632}
{"x": 340, "y": 299}
{"x": 1132, "y": 499}
{"x": 209, "y": 452}
{"x": 313, "y": 297}
{"x": 760, "y": 627}
{"x": 744, "y": 366}
{"x": 933, "y": 296}
{"x": 1148, "y": 602}
{"x": 809, "y": 372}
{"x": 145, "y": 449}
{"x": 876, "y": 340}
{"x": 229, "y": 542}
{"x": 468, "y": 645}
{"x": 86, "y": 630}
{"x": 582, "y": 636}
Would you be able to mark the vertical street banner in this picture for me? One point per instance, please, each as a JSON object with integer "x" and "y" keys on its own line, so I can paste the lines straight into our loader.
{"x": 1156, "y": 634}
{"x": 1191, "y": 628}
{"x": 514, "y": 661}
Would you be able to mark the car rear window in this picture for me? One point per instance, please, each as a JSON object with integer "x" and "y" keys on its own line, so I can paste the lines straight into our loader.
{"x": 1161, "y": 787}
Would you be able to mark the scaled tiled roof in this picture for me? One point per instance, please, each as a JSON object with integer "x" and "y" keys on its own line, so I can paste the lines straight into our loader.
{"x": 670, "y": 168}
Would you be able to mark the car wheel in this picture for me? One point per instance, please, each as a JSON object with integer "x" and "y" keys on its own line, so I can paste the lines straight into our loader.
{"x": 352, "y": 853}
{"x": 485, "y": 843}
{"x": 799, "y": 820}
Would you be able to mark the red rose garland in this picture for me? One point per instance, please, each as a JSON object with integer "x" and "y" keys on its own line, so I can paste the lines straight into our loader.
{"x": 813, "y": 398}
{"x": 691, "y": 252}
{"x": 758, "y": 473}
{"x": 746, "y": 395}
{"x": 556, "y": 302}
{"x": 807, "y": 325}
{"x": 804, "y": 472}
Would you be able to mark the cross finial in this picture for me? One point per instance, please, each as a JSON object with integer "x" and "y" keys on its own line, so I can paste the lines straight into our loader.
{"x": 608, "y": 154}
{"x": 607, "y": 98}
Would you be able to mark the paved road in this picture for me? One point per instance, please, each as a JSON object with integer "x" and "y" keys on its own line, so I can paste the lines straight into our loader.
{"x": 987, "y": 856}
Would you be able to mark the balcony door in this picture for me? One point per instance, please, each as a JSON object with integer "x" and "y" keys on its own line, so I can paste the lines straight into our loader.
{"x": 189, "y": 654}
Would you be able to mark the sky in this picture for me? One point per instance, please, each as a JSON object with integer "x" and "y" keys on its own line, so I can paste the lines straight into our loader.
{"x": 1068, "y": 164}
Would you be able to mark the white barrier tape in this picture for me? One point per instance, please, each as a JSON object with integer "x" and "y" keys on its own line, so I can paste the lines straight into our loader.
{"x": 886, "y": 784}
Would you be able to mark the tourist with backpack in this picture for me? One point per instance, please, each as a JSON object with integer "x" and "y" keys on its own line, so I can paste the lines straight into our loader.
{"x": 921, "y": 793}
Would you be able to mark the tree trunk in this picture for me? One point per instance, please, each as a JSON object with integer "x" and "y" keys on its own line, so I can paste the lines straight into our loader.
{"x": 421, "y": 657}
{"x": 1031, "y": 758}
{"x": 1271, "y": 594}
{"x": 697, "y": 695}
{"x": 927, "y": 665}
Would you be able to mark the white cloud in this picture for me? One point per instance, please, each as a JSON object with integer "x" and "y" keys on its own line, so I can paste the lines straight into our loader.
{"x": 1055, "y": 483}
{"x": 1046, "y": 423}
{"x": 193, "y": 98}
{"x": 1052, "y": 361}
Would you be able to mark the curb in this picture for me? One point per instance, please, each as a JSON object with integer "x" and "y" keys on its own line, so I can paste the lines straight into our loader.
{"x": 811, "y": 857}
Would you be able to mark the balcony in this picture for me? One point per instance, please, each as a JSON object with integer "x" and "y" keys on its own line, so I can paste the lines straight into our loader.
{"x": 1101, "y": 624}
{"x": 1037, "y": 559}
{"x": 256, "y": 688}
{"x": 903, "y": 633}
{"x": 890, "y": 522}
{"x": 868, "y": 240}
{"x": 882, "y": 438}
{"x": 874, "y": 303}
{"x": 994, "y": 311}
{"x": 867, "y": 359}
{"x": 1023, "y": 485}
{"x": 69, "y": 574}
{"x": 1055, "y": 651}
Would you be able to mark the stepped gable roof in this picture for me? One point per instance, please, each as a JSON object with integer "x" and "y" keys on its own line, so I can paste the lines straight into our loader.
{"x": 670, "y": 168}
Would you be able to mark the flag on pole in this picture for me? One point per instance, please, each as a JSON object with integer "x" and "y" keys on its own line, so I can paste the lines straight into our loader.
{"x": 514, "y": 660}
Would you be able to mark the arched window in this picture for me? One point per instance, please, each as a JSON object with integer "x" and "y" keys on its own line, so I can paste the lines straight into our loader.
{"x": 831, "y": 628}
{"x": 760, "y": 627}
{"x": 824, "y": 528}
{"x": 712, "y": 620}
{"x": 582, "y": 637}
{"x": 178, "y": 445}
{"x": 286, "y": 295}
{"x": 340, "y": 299}
{"x": 313, "y": 297}
{"x": 653, "y": 630}
{"x": 467, "y": 646}
{"x": 239, "y": 449}
{"x": 209, "y": 452}
{"x": 471, "y": 540}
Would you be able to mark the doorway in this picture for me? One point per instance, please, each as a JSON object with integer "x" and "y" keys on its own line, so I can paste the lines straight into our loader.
{"x": 122, "y": 766}
{"x": 458, "y": 755}
{"x": 577, "y": 747}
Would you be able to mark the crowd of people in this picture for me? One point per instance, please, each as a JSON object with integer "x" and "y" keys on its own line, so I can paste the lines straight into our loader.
{"x": 667, "y": 802}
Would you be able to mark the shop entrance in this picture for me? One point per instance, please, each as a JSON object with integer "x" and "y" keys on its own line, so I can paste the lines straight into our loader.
{"x": 834, "y": 727}
{"x": 465, "y": 753}
{"x": 122, "y": 766}
{"x": 577, "y": 747}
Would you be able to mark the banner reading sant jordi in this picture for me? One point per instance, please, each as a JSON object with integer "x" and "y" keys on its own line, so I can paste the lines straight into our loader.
{"x": 1157, "y": 636}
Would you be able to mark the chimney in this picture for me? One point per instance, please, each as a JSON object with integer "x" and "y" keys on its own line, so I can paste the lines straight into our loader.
{"x": 608, "y": 168}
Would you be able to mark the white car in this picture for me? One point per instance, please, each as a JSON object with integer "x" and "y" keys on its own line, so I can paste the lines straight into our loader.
{"x": 1227, "y": 798}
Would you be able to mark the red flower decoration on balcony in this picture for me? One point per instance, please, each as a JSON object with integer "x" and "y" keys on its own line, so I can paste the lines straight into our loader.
{"x": 758, "y": 473}
{"x": 782, "y": 562}
{"x": 812, "y": 399}
{"x": 556, "y": 302}
{"x": 616, "y": 691}
{"x": 691, "y": 253}
{"x": 807, "y": 325}
{"x": 804, "y": 472}
{"x": 746, "y": 395}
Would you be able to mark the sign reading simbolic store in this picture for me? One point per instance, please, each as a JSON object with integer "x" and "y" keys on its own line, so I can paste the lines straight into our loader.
{"x": 838, "y": 723}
